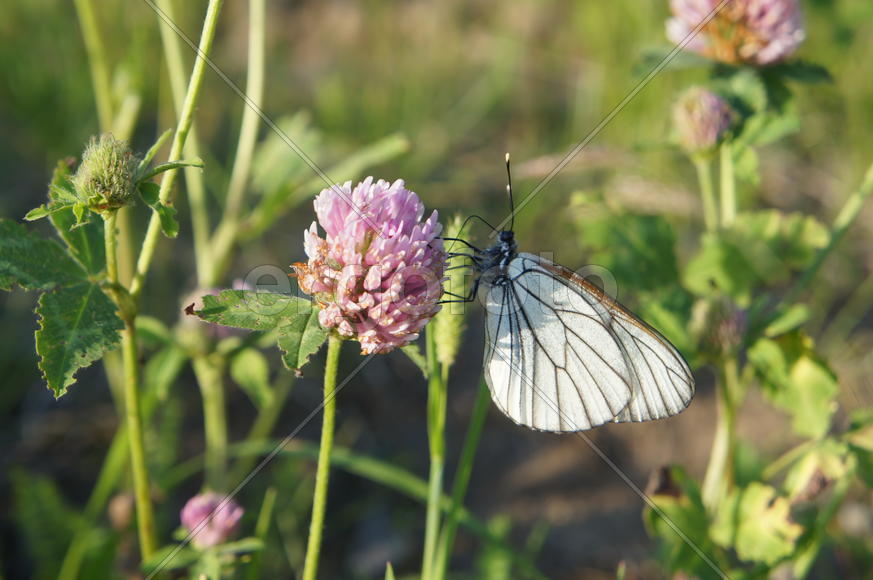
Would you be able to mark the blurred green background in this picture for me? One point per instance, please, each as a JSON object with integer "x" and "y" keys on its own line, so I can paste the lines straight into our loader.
{"x": 463, "y": 82}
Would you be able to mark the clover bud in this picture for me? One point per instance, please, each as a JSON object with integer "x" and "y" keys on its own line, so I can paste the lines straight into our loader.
{"x": 105, "y": 178}
{"x": 701, "y": 119}
{"x": 212, "y": 519}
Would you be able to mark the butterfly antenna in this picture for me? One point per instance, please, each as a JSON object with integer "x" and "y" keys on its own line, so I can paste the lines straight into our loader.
{"x": 509, "y": 193}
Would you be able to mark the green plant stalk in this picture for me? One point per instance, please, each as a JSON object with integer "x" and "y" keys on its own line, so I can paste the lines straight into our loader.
{"x": 133, "y": 415}
{"x": 436, "y": 421}
{"x": 728, "y": 185}
{"x": 322, "y": 473}
{"x": 383, "y": 473}
{"x": 196, "y": 188}
{"x": 226, "y": 233}
{"x": 719, "y": 477}
{"x": 209, "y": 373}
{"x": 263, "y": 425}
{"x": 186, "y": 118}
{"x": 707, "y": 196}
{"x": 97, "y": 62}
{"x": 462, "y": 479}
{"x": 262, "y": 527}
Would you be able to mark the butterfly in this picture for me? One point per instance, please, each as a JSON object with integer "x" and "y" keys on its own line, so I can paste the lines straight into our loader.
{"x": 560, "y": 354}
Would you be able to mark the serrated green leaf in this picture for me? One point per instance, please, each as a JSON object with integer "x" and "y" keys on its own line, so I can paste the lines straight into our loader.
{"x": 251, "y": 310}
{"x": 249, "y": 368}
{"x": 796, "y": 380}
{"x": 33, "y": 262}
{"x": 755, "y": 521}
{"x": 85, "y": 240}
{"x": 300, "y": 338}
{"x": 169, "y": 223}
{"x": 78, "y": 325}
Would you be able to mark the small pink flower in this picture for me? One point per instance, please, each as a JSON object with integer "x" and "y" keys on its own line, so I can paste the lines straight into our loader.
{"x": 758, "y": 32}
{"x": 216, "y": 530}
{"x": 701, "y": 119}
{"x": 377, "y": 274}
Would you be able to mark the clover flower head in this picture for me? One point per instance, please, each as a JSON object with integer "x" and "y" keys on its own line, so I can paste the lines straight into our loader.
{"x": 701, "y": 119}
{"x": 757, "y": 32}
{"x": 105, "y": 178}
{"x": 224, "y": 522}
{"x": 377, "y": 274}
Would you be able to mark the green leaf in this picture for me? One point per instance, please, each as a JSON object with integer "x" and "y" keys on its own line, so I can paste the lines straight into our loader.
{"x": 243, "y": 546}
{"x": 162, "y": 369}
{"x": 78, "y": 325}
{"x": 795, "y": 379}
{"x": 801, "y": 71}
{"x": 150, "y": 192}
{"x": 389, "y": 571}
{"x": 300, "y": 338}
{"x": 859, "y": 437}
{"x": 158, "y": 169}
{"x": 152, "y": 332}
{"x": 755, "y": 521}
{"x": 720, "y": 265}
{"x": 787, "y": 319}
{"x": 33, "y": 262}
{"x": 824, "y": 463}
{"x": 169, "y": 223}
{"x": 153, "y": 150}
{"x": 250, "y": 370}
{"x": 84, "y": 240}
{"x": 299, "y": 334}
{"x": 171, "y": 557}
{"x": 42, "y": 211}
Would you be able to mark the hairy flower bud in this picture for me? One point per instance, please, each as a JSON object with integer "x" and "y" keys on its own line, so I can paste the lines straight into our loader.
{"x": 757, "y": 32}
{"x": 225, "y": 515}
{"x": 701, "y": 119}
{"x": 105, "y": 178}
{"x": 377, "y": 275}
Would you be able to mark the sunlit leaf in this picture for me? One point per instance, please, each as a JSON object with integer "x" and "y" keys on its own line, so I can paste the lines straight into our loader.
{"x": 78, "y": 325}
{"x": 250, "y": 370}
{"x": 824, "y": 463}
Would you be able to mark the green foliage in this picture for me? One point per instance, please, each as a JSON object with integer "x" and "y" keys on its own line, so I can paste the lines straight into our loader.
{"x": 756, "y": 522}
{"x": 796, "y": 380}
{"x": 299, "y": 334}
{"x": 250, "y": 370}
{"x": 78, "y": 325}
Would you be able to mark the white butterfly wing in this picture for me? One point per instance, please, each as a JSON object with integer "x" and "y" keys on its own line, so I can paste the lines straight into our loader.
{"x": 561, "y": 356}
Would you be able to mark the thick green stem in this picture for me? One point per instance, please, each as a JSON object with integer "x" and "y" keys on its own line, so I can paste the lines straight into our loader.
{"x": 322, "y": 473}
{"x": 208, "y": 374}
{"x": 462, "y": 479}
{"x": 97, "y": 62}
{"x": 193, "y": 175}
{"x": 436, "y": 421}
{"x": 133, "y": 414}
{"x": 719, "y": 472}
{"x": 226, "y": 234}
{"x": 707, "y": 196}
{"x": 728, "y": 185}
{"x": 186, "y": 118}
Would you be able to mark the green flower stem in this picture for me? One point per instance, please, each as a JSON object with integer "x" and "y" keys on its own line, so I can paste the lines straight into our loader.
{"x": 186, "y": 118}
{"x": 707, "y": 196}
{"x": 728, "y": 185}
{"x": 263, "y": 425}
{"x": 261, "y": 528}
{"x": 209, "y": 374}
{"x": 719, "y": 473}
{"x": 196, "y": 188}
{"x": 322, "y": 473}
{"x": 97, "y": 62}
{"x": 227, "y": 231}
{"x": 462, "y": 479}
{"x": 436, "y": 421}
{"x": 133, "y": 414}
{"x": 844, "y": 220}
